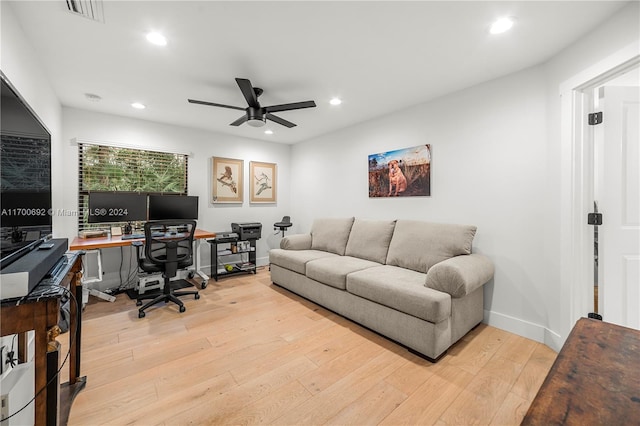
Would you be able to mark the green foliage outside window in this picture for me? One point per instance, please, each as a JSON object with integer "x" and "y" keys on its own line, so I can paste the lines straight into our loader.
{"x": 122, "y": 169}
{"x": 114, "y": 169}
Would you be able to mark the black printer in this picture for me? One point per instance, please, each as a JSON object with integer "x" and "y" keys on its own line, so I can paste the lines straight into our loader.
{"x": 247, "y": 231}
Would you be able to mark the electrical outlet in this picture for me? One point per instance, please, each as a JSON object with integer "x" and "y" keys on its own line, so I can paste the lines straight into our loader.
{"x": 4, "y": 406}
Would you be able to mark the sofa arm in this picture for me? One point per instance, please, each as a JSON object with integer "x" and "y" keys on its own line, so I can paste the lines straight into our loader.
{"x": 460, "y": 275}
{"x": 296, "y": 242}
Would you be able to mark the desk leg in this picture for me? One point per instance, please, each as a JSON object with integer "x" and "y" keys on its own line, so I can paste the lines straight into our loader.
{"x": 197, "y": 261}
{"x": 70, "y": 389}
{"x": 75, "y": 332}
{"x": 53, "y": 381}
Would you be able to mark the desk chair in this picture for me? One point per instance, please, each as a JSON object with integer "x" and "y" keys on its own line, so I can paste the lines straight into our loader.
{"x": 166, "y": 254}
{"x": 283, "y": 225}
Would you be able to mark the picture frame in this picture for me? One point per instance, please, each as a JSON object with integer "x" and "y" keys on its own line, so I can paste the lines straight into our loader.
{"x": 263, "y": 186}
{"x": 227, "y": 180}
{"x": 403, "y": 172}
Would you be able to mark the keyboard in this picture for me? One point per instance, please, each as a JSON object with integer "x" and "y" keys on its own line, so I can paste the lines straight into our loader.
{"x": 132, "y": 236}
{"x": 139, "y": 236}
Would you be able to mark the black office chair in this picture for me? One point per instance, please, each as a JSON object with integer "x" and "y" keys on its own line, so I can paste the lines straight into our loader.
{"x": 283, "y": 225}
{"x": 168, "y": 247}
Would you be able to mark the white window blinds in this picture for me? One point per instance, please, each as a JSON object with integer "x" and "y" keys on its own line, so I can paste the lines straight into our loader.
{"x": 112, "y": 169}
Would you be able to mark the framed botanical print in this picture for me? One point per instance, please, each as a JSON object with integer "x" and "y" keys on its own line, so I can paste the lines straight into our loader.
{"x": 227, "y": 182}
{"x": 263, "y": 182}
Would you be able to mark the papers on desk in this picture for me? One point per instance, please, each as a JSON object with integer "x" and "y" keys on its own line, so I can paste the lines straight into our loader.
{"x": 224, "y": 252}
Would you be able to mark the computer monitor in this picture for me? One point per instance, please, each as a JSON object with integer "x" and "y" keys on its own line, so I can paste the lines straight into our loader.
{"x": 162, "y": 207}
{"x": 117, "y": 207}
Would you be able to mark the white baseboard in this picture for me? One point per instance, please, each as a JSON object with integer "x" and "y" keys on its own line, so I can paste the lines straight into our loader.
{"x": 523, "y": 328}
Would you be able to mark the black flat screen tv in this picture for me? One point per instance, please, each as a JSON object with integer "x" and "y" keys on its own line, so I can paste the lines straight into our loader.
{"x": 163, "y": 207}
{"x": 25, "y": 172}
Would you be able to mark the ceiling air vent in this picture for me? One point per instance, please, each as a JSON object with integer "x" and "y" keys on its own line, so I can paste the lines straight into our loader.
{"x": 91, "y": 9}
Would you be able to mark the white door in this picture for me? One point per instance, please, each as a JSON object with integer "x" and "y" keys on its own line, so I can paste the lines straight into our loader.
{"x": 617, "y": 191}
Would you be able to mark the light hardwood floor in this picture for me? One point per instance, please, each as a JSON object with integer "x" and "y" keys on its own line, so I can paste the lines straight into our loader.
{"x": 250, "y": 352}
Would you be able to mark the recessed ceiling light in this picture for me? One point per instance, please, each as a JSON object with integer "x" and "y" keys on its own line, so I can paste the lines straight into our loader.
{"x": 92, "y": 97}
{"x": 157, "y": 39}
{"x": 268, "y": 132}
{"x": 501, "y": 25}
{"x": 138, "y": 105}
{"x": 335, "y": 101}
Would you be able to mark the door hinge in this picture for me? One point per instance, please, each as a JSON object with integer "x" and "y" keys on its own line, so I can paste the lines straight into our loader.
{"x": 594, "y": 219}
{"x": 595, "y": 118}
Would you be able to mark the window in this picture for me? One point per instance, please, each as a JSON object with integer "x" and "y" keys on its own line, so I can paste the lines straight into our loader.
{"x": 114, "y": 169}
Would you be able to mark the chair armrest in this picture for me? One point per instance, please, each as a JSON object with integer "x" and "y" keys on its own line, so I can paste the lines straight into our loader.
{"x": 296, "y": 242}
{"x": 460, "y": 275}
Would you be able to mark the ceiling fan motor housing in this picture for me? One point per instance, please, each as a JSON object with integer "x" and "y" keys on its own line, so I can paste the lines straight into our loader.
{"x": 255, "y": 117}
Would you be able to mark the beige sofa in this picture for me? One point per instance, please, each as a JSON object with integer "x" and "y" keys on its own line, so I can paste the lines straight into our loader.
{"x": 417, "y": 283}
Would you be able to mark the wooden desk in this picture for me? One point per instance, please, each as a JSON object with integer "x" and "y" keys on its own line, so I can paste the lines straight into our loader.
{"x": 595, "y": 379}
{"x": 110, "y": 242}
{"x": 41, "y": 315}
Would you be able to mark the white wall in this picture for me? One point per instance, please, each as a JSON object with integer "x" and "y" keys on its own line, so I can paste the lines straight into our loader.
{"x": 495, "y": 164}
{"x": 488, "y": 169}
{"x": 23, "y": 69}
{"x": 617, "y": 33}
{"x": 202, "y": 145}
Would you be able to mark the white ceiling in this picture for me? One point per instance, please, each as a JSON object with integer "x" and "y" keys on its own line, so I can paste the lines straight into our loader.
{"x": 380, "y": 56}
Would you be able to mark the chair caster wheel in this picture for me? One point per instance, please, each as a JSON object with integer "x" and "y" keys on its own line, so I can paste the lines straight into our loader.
{"x": 141, "y": 314}
{"x": 197, "y": 296}
{"x": 191, "y": 274}
{"x": 182, "y": 309}
{"x": 138, "y": 303}
{"x": 203, "y": 285}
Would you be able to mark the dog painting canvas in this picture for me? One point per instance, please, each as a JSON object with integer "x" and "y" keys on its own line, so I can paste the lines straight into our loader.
{"x": 401, "y": 173}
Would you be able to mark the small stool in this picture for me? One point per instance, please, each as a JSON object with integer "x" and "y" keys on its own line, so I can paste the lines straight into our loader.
{"x": 283, "y": 225}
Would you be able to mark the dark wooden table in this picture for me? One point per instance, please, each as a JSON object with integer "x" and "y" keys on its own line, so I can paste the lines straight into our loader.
{"x": 41, "y": 313}
{"x": 595, "y": 380}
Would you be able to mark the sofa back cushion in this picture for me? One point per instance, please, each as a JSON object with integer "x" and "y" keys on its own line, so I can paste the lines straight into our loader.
{"x": 331, "y": 234}
{"x": 419, "y": 245}
{"x": 369, "y": 239}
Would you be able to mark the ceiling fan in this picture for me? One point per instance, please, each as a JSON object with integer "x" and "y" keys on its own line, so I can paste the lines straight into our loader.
{"x": 256, "y": 115}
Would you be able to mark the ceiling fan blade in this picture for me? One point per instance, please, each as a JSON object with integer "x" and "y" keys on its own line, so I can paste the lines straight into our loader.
{"x": 289, "y": 107}
{"x": 279, "y": 120}
{"x": 193, "y": 101}
{"x": 240, "y": 120}
{"x": 247, "y": 91}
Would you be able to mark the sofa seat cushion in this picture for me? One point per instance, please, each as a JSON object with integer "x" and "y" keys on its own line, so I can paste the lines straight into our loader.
{"x": 296, "y": 260}
{"x": 400, "y": 289}
{"x": 333, "y": 271}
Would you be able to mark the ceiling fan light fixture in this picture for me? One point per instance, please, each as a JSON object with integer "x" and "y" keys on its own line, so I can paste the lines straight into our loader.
{"x": 256, "y": 122}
